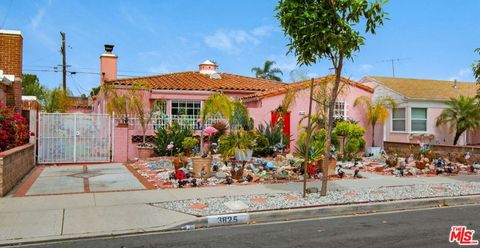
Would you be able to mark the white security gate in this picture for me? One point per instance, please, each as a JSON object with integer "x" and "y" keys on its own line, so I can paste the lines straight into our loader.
{"x": 73, "y": 138}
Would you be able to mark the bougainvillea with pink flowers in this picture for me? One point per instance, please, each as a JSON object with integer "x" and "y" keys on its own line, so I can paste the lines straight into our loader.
{"x": 14, "y": 129}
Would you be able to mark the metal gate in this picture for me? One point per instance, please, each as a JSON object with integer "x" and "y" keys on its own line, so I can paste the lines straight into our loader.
{"x": 73, "y": 138}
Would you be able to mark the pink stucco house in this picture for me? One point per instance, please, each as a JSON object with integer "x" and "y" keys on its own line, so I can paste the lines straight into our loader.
{"x": 183, "y": 94}
{"x": 420, "y": 102}
{"x": 261, "y": 105}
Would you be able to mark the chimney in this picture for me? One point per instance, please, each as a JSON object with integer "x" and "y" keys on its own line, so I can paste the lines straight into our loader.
{"x": 11, "y": 55}
{"x": 207, "y": 67}
{"x": 108, "y": 64}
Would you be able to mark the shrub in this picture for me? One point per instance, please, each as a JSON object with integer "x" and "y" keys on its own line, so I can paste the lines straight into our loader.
{"x": 353, "y": 141}
{"x": 262, "y": 145}
{"x": 221, "y": 127}
{"x": 170, "y": 133}
{"x": 274, "y": 134}
{"x": 188, "y": 144}
{"x": 233, "y": 141}
{"x": 13, "y": 129}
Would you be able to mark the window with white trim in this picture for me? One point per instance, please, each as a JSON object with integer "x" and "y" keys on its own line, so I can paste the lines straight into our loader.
{"x": 419, "y": 119}
{"x": 339, "y": 110}
{"x": 186, "y": 107}
{"x": 398, "y": 120}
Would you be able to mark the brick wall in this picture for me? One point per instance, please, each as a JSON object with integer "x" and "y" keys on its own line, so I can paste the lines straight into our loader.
{"x": 11, "y": 54}
{"x": 405, "y": 149}
{"x": 14, "y": 165}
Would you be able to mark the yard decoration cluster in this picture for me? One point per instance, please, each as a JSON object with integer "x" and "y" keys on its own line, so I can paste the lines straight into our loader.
{"x": 178, "y": 172}
{"x": 14, "y": 129}
{"x": 422, "y": 160}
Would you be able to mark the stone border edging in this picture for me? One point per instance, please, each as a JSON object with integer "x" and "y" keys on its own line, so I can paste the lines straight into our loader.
{"x": 276, "y": 216}
{"x": 343, "y": 210}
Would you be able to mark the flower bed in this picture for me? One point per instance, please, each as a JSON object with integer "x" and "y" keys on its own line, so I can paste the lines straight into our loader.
{"x": 13, "y": 129}
{"x": 283, "y": 169}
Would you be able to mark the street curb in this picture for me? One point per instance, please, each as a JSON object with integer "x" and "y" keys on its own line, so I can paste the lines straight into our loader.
{"x": 273, "y": 216}
{"x": 342, "y": 210}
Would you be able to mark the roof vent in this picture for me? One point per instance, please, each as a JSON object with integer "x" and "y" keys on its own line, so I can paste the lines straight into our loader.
{"x": 215, "y": 76}
{"x": 455, "y": 86}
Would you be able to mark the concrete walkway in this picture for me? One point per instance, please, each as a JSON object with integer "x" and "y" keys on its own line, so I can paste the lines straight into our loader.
{"x": 36, "y": 218}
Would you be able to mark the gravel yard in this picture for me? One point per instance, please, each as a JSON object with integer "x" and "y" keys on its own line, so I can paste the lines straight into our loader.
{"x": 251, "y": 203}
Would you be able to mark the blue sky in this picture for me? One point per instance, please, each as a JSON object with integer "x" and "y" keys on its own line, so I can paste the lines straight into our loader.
{"x": 434, "y": 39}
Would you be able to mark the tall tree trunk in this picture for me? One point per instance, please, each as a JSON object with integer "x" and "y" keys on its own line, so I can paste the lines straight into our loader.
{"x": 201, "y": 142}
{"x": 373, "y": 135}
{"x": 331, "y": 105}
{"x": 458, "y": 133}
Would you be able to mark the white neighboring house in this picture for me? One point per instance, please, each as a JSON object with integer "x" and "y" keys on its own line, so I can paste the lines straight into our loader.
{"x": 420, "y": 102}
{"x": 6, "y": 81}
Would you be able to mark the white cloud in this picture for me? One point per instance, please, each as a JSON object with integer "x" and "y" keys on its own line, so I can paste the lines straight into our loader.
{"x": 312, "y": 75}
{"x": 366, "y": 67}
{"x": 160, "y": 69}
{"x": 461, "y": 74}
{"x": 38, "y": 18}
{"x": 231, "y": 40}
{"x": 264, "y": 30}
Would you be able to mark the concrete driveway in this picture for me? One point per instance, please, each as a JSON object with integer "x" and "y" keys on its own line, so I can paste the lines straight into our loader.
{"x": 67, "y": 179}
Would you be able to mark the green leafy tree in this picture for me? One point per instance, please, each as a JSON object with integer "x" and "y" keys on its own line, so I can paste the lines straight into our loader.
{"x": 32, "y": 87}
{"x": 377, "y": 111}
{"x": 56, "y": 100}
{"x": 476, "y": 71}
{"x": 462, "y": 114}
{"x": 328, "y": 29}
{"x": 267, "y": 72}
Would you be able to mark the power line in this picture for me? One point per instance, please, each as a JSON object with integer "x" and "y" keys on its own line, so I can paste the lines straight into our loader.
{"x": 78, "y": 72}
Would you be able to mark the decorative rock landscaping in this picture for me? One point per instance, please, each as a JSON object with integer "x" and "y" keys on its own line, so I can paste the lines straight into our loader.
{"x": 261, "y": 202}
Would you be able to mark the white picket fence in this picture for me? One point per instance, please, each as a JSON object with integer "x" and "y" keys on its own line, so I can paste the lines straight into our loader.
{"x": 190, "y": 121}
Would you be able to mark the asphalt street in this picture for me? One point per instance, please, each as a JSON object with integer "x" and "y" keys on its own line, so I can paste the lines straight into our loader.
{"x": 419, "y": 228}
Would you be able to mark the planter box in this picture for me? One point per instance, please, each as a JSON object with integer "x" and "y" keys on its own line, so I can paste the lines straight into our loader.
{"x": 243, "y": 155}
{"x": 145, "y": 152}
{"x": 199, "y": 163}
{"x": 373, "y": 151}
{"x": 14, "y": 165}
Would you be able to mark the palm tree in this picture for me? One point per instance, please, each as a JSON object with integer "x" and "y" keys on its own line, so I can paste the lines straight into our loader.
{"x": 377, "y": 112}
{"x": 215, "y": 104}
{"x": 267, "y": 72}
{"x": 462, "y": 114}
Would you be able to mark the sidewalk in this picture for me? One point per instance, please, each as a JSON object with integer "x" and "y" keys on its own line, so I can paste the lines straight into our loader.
{"x": 35, "y": 218}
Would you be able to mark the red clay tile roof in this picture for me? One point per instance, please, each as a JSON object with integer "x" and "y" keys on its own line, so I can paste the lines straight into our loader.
{"x": 196, "y": 81}
{"x": 79, "y": 102}
{"x": 300, "y": 85}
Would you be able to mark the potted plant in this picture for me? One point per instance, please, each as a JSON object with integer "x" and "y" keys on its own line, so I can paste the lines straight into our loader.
{"x": 215, "y": 105}
{"x": 144, "y": 116}
{"x": 237, "y": 144}
{"x": 377, "y": 112}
